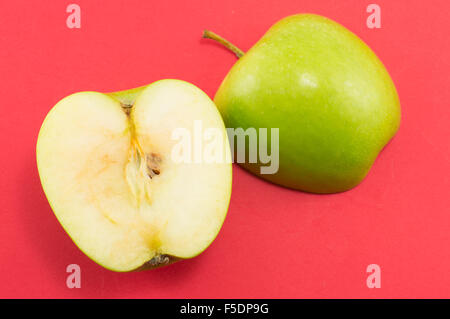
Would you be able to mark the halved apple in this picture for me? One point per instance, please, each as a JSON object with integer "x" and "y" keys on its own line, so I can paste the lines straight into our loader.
{"x": 107, "y": 168}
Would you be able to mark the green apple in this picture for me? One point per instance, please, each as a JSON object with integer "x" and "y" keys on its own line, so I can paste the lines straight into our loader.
{"x": 106, "y": 166}
{"x": 330, "y": 96}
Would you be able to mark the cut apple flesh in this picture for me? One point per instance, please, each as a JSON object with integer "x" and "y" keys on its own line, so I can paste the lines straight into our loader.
{"x": 107, "y": 171}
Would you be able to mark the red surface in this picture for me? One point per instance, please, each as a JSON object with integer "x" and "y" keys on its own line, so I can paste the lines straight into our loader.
{"x": 275, "y": 242}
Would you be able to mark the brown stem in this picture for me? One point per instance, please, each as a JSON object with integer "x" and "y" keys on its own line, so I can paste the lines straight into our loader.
{"x": 211, "y": 35}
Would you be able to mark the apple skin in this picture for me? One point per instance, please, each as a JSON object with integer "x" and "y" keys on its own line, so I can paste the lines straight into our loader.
{"x": 330, "y": 96}
{"x": 127, "y": 97}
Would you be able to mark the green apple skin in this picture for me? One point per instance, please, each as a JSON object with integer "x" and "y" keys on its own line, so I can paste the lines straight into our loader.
{"x": 127, "y": 97}
{"x": 332, "y": 99}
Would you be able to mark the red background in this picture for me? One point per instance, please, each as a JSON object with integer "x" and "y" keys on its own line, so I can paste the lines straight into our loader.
{"x": 275, "y": 242}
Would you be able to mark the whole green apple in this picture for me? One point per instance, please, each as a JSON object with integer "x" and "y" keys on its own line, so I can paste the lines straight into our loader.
{"x": 330, "y": 96}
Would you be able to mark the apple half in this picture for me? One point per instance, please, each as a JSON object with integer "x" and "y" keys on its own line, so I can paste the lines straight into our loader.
{"x": 106, "y": 167}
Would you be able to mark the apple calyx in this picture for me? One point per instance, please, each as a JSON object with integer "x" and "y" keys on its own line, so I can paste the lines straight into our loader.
{"x": 227, "y": 44}
{"x": 158, "y": 260}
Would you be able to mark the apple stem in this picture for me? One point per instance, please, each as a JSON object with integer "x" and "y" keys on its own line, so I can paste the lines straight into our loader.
{"x": 211, "y": 35}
